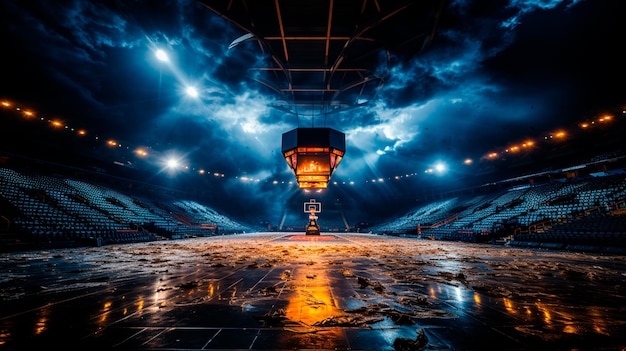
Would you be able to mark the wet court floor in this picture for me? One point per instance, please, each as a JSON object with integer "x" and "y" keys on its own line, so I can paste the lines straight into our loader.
{"x": 278, "y": 291}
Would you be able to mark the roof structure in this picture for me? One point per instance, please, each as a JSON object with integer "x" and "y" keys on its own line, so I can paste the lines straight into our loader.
{"x": 325, "y": 56}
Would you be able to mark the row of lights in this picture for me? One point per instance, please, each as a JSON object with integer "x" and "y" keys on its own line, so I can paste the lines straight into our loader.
{"x": 174, "y": 164}
{"x": 438, "y": 168}
{"x": 559, "y": 135}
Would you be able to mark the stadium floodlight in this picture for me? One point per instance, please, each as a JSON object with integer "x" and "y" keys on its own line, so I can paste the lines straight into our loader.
{"x": 440, "y": 167}
{"x": 191, "y": 91}
{"x": 162, "y": 55}
{"x": 172, "y": 163}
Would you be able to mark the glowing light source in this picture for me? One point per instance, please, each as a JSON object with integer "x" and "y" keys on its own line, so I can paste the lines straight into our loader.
{"x": 313, "y": 154}
{"x": 440, "y": 167}
{"x": 172, "y": 163}
{"x": 141, "y": 152}
{"x": 56, "y": 124}
{"x": 191, "y": 91}
{"x": 161, "y": 55}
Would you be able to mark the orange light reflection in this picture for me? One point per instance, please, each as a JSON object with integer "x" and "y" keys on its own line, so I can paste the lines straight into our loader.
{"x": 312, "y": 301}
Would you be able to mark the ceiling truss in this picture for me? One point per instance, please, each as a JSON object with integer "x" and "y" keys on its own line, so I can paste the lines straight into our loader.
{"x": 324, "y": 56}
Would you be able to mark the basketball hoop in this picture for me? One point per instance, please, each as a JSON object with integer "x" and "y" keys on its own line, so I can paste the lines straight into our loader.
{"x": 313, "y": 207}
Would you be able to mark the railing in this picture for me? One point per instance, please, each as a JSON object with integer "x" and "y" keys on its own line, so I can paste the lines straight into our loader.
{"x": 450, "y": 219}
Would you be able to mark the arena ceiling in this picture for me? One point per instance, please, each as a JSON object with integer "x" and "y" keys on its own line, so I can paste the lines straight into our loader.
{"x": 325, "y": 56}
{"x": 432, "y": 95}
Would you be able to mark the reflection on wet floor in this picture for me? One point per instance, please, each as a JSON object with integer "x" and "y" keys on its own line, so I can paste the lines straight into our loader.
{"x": 274, "y": 291}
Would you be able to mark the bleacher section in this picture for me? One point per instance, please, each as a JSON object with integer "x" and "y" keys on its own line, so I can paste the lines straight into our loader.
{"x": 46, "y": 211}
{"x": 587, "y": 214}
{"x": 579, "y": 213}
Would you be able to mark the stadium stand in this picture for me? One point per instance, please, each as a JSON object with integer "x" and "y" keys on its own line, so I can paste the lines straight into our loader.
{"x": 52, "y": 211}
{"x": 583, "y": 213}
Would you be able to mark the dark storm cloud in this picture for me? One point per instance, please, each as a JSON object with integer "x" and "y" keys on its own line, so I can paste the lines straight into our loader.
{"x": 478, "y": 75}
{"x": 495, "y": 73}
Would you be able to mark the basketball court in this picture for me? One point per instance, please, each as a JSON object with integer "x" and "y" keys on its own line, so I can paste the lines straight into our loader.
{"x": 286, "y": 291}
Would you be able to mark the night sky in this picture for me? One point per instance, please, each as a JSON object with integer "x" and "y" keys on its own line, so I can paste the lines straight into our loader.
{"x": 496, "y": 74}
